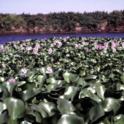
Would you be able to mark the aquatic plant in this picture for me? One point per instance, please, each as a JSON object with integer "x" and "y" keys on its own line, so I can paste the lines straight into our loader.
{"x": 66, "y": 81}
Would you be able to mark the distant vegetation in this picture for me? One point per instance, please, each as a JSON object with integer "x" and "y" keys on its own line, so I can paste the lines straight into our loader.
{"x": 63, "y": 22}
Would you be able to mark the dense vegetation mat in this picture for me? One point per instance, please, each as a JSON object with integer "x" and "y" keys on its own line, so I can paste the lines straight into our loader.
{"x": 62, "y": 81}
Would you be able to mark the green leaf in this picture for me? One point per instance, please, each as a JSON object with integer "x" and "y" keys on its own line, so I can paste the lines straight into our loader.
{"x": 3, "y": 116}
{"x": 29, "y": 93}
{"x": 38, "y": 117}
{"x": 67, "y": 76}
{"x": 3, "y": 92}
{"x": 46, "y": 109}
{"x": 43, "y": 70}
{"x": 91, "y": 77}
{"x": 105, "y": 121}
{"x": 10, "y": 121}
{"x": 53, "y": 84}
{"x": 82, "y": 82}
{"x": 111, "y": 104}
{"x": 21, "y": 83}
{"x": 9, "y": 86}
{"x": 15, "y": 107}
{"x": 89, "y": 92}
{"x": 96, "y": 112}
{"x": 119, "y": 119}
{"x": 40, "y": 79}
{"x": 65, "y": 106}
{"x": 52, "y": 80}
{"x": 122, "y": 77}
{"x": 25, "y": 122}
{"x": 70, "y": 92}
{"x": 100, "y": 90}
{"x": 2, "y": 107}
{"x": 70, "y": 119}
{"x": 74, "y": 78}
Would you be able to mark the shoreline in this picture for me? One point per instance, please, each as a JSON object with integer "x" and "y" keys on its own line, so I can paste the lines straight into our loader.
{"x": 66, "y": 33}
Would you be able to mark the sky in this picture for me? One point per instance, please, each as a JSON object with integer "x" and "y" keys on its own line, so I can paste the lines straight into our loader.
{"x": 48, "y": 6}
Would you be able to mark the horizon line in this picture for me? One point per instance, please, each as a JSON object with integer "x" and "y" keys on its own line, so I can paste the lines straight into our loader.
{"x": 28, "y": 13}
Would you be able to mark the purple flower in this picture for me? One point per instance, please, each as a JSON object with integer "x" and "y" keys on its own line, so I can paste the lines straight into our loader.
{"x": 2, "y": 48}
{"x": 12, "y": 80}
{"x": 114, "y": 50}
{"x": 35, "y": 51}
{"x": 114, "y": 46}
{"x": 106, "y": 46}
{"x": 57, "y": 43}
{"x": 122, "y": 44}
{"x": 37, "y": 46}
{"x": 49, "y": 70}
{"x": 23, "y": 72}
{"x": 50, "y": 51}
{"x": 65, "y": 39}
{"x": 77, "y": 46}
{"x": 28, "y": 48}
{"x": 99, "y": 47}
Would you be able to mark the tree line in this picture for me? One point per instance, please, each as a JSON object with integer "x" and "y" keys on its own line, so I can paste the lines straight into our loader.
{"x": 63, "y": 22}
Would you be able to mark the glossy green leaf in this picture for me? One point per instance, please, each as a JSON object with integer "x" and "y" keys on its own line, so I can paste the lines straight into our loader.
{"x": 82, "y": 82}
{"x": 67, "y": 77}
{"x": 2, "y": 107}
{"x": 9, "y": 86}
{"x": 25, "y": 122}
{"x": 46, "y": 109}
{"x": 15, "y": 107}
{"x": 65, "y": 106}
{"x": 100, "y": 90}
{"x": 3, "y": 92}
{"x": 96, "y": 112}
{"x": 89, "y": 92}
{"x": 40, "y": 79}
{"x": 111, "y": 104}
{"x": 70, "y": 92}
{"x": 70, "y": 119}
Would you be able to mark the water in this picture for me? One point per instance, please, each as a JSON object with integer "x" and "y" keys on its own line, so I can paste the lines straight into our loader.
{"x": 19, "y": 37}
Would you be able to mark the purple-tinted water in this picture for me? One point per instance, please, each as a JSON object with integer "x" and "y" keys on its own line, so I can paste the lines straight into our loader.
{"x": 19, "y": 37}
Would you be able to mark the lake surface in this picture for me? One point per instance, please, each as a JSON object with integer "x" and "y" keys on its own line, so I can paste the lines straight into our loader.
{"x": 18, "y": 37}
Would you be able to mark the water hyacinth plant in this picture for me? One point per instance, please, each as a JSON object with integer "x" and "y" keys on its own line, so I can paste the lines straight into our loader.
{"x": 62, "y": 81}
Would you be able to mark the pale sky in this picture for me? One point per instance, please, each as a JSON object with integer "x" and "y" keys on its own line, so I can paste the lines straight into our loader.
{"x": 47, "y": 6}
